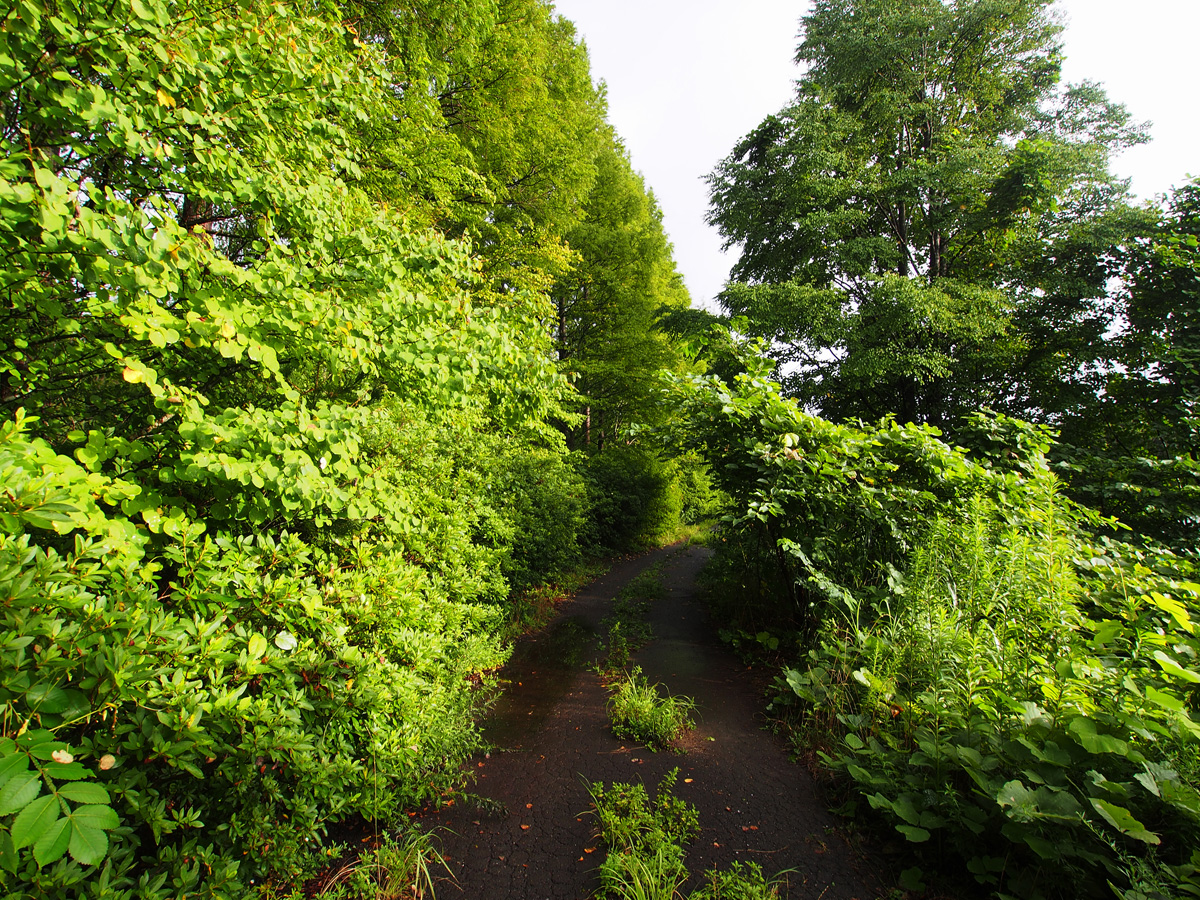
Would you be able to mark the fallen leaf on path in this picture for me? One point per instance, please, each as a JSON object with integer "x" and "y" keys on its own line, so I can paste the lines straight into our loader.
{"x": 589, "y": 849}
{"x": 529, "y": 806}
{"x": 524, "y": 827}
{"x": 687, "y": 781}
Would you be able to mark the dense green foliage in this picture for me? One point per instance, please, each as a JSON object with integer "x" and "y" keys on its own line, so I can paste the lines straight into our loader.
{"x": 929, "y": 227}
{"x": 996, "y": 678}
{"x": 645, "y": 840}
{"x": 930, "y": 236}
{"x": 277, "y": 286}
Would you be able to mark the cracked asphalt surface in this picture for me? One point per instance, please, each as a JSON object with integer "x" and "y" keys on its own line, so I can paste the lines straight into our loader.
{"x": 527, "y": 836}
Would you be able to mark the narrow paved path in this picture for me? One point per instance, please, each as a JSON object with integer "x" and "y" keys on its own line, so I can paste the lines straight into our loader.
{"x": 528, "y": 839}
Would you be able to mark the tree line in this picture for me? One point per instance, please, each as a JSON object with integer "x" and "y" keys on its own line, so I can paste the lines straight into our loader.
{"x": 322, "y": 331}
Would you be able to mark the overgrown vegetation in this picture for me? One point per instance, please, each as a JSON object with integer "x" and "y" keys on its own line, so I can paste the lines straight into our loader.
{"x": 933, "y": 245}
{"x": 639, "y": 711}
{"x": 402, "y": 867}
{"x": 628, "y": 624}
{"x": 646, "y": 839}
{"x": 996, "y": 678}
{"x": 277, "y": 282}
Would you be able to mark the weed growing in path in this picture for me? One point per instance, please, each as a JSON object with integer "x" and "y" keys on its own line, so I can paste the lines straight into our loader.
{"x": 645, "y": 841}
{"x": 628, "y": 629}
{"x": 738, "y": 882}
{"x": 645, "y": 838}
{"x": 639, "y": 712}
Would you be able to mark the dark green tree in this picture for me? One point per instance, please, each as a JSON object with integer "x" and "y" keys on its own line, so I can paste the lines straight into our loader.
{"x": 1131, "y": 449}
{"x": 889, "y": 218}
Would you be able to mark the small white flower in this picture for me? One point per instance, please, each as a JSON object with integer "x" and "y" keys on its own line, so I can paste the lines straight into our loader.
{"x": 62, "y": 756}
{"x": 324, "y": 462}
{"x": 285, "y": 640}
{"x": 107, "y": 761}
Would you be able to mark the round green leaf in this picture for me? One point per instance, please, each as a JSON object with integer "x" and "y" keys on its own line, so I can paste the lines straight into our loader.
{"x": 257, "y": 646}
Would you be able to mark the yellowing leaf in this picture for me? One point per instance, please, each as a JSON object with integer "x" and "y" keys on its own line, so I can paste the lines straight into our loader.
{"x": 165, "y": 99}
{"x": 132, "y": 375}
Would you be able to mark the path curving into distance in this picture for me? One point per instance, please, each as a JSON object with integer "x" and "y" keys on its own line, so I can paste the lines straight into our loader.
{"x": 527, "y": 837}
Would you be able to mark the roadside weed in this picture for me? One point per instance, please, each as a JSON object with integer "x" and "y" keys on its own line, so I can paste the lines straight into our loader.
{"x": 639, "y": 712}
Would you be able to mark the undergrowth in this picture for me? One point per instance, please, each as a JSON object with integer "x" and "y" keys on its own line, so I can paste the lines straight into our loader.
{"x": 639, "y": 712}
{"x": 401, "y": 868}
{"x": 627, "y": 626}
{"x": 646, "y": 839}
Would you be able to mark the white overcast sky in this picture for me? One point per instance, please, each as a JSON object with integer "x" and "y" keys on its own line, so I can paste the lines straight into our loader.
{"x": 687, "y": 78}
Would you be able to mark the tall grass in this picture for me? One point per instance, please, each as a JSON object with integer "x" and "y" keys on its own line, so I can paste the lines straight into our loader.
{"x": 639, "y": 712}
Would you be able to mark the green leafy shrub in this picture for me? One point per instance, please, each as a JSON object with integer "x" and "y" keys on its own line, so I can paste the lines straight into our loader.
{"x": 1005, "y": 699}
{"x": 646, "y": 840}
{"x": 245, "y": 587}
{"x": 400, "y": 868}
{"x": 543, "y": 503}
{"x": 655, "y": 875}
{"x": 645, "y": 837}
{"x": 1001, "y": 683}
{"x": 264, "y": 693}
{"x": 633, "y": 498}
{"x": 700, "y": 500}
{"x": 738, "y": 882}
{"x": 639, "y": 712}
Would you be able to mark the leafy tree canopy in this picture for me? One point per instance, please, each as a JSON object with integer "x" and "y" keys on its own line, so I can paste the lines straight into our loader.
{"x": 930, "y": 142}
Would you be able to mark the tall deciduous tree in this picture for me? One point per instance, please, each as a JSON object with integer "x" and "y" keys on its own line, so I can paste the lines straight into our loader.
{"x": 608, "y": 307}
{"x": 887, "y": 218}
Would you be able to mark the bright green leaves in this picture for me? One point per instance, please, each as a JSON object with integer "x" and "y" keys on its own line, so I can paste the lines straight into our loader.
{"x": 1024, "y": 805}
{"x": 72, "y": 817}
{"x": 1006, "y": 686}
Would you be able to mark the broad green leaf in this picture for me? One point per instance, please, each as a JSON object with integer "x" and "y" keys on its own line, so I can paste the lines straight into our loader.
{"x": 11, "y": 765}
{"x": 8, "y": 853}
{"x": 34, "y": 819}
{"x": 1121, "y": 819}
{"x": 913, "y": 833}
{"x": 1018, "y": 801}
{"x": 84, "y": 792}
{"x": 257, "y": 646}
{"x": 47, "y": 698}
{"x": 98, "y": 816}
{"x": 53, "y": 842}
{"x": 1085, "y": 732}
{"x": 1171, "y": 667}
{"x": 19, "y": 791}
{"x": 88, "y": 845}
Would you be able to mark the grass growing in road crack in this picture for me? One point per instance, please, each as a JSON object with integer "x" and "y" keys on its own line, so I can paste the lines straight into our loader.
{"x": 627, "y": 625}
{"x": 645, "y": 839}
{"x": 639, "y": 712}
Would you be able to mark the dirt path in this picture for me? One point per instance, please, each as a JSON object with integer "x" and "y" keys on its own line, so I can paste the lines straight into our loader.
{"x": 528, "y": 839}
